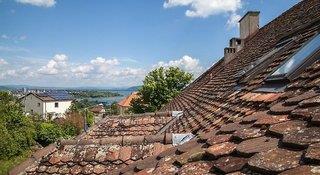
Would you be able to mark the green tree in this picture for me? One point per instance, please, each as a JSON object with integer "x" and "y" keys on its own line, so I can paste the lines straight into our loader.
{"x": 159, "y": 87}
{"x": 112, "y": 109}
{"x": 16, "y": 130}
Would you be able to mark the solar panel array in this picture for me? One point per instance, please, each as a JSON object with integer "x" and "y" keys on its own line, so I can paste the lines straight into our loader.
{"x": 59, "y": 95}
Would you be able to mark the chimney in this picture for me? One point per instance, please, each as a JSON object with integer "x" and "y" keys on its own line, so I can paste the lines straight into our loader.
{"x": 229, "y": 54}
{"x": 235, "y": 44}
{"x": 249, "y": 24}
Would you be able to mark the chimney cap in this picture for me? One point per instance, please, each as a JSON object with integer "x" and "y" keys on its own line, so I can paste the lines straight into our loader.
{"x": 254, "y": 13}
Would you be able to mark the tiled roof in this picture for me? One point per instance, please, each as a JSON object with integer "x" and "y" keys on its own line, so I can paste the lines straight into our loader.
{"x": 127, "y": 100}
{"x": 238, "y": 131}
{"x": 130, "y": 125}
{"x": 94, "y": 157}
{"x": 97, "y": 109}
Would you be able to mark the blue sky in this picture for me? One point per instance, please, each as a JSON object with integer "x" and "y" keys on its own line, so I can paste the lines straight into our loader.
{"x": 115, "y": 43}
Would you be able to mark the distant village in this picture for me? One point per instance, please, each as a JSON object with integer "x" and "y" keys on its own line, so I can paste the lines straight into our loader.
{"x": 52, "y": 103}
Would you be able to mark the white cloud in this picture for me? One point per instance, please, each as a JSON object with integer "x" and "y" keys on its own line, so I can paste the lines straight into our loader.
{"x": 186, "y": 63}
{"x": 233, "y": 20}
{"x": 82, "y": 70}
{"x": 129, "y": 72}
{"x": 205, "y": 8}
{"x": 15, "y": 39}
{"x": 62, "y": 71}
{"x": 22, "y": 37}
{"x": 55, "y": 65}
{"x": 104, "y": 65}
{"x": 2, "y": 62}
{"x": 4, "y": 36}
{"x": 39, "y": 3}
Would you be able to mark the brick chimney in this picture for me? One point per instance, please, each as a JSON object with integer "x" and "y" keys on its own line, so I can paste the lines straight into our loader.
{"x": 249, "y": 24}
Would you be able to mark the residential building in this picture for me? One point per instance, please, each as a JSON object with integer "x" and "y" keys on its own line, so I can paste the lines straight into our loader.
{"x": 98, "y": 109}
{"x": 124, "y": 104}
{"x": 48, "y": 104}
{"x": 256, "y": 111}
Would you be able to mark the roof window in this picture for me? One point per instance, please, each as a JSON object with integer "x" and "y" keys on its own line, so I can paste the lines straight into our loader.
{"x": 297, "y": 60}
{"x": 246, "y": 73}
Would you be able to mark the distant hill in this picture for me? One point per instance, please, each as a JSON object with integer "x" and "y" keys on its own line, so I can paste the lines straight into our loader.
{"x": 133, "y": 88}
{"x": 15, "y": 87}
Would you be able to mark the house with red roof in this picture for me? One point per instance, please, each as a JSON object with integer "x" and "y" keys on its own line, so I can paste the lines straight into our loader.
{"x": 124, "y": 104}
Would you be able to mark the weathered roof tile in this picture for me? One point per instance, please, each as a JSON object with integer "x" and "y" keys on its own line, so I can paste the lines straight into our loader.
{"x": 221, "y": 149}
{"x": 248, "y": 133}
{"x": 280, "y": 108}
{"x": 303, "y": 137}
{"x": 303, "y": 170}
{"x": 270, "y": 119}
{"x": 230, "y": 164}
{"x": 257, "y": 145}
{"x": 287, "y": 127}
{"x": 275, "y": 160}
{"x": 219, "y": 139}
{"x": 313, "y": 153}
{"x": 196, "y": 168}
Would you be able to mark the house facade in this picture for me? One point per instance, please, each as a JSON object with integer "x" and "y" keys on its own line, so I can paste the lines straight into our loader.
{"x": 46, "y": 105}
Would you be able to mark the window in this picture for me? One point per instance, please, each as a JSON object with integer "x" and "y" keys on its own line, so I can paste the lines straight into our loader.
{"x": 250, "y": 71}
{"x": 38, "y": 104}
{"x": 297, "y": 59}
{"x": 305, "y": 56}
{"x": 56, "y": 105}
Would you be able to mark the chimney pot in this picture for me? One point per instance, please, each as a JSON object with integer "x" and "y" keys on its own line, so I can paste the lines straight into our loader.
{"x": 249, "y": 24}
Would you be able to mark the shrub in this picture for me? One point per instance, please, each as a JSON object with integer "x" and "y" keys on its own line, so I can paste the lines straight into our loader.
{"x": 48, "y": 132}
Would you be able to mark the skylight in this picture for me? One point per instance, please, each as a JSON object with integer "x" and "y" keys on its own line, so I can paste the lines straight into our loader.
{"x": 246, "y": 72}
{"x": 296, "y": 60}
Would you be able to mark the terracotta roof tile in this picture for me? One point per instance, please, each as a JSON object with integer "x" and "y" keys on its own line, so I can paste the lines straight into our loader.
{"x": 313, "y": 153}
{"x": 248, "y": 133}
{"x": 194, "y": 154}
{"x": 257, "y": 145}
{"x": 127, "y": 100}
{"x": 275, "y": 160}
{"x": 221, "y": 149}
{"x": 287, "y": 127}
{"x": 196, "y": 168}
{"x": 303, "y": 170}
{"x": 303, "y": 137}
{"x": 230, "y": 164}
{"x": 281, "y": 108}
{"x": 219, "y": 139}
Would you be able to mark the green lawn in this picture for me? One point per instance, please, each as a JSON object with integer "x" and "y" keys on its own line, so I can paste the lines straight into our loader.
{"x": 7, "y": 165}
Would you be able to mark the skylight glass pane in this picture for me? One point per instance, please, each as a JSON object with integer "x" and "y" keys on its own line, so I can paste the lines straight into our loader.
{"x": 299, "y": 57}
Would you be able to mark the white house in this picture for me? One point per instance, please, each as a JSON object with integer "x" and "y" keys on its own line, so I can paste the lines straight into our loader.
{"x": 49, "y": 104}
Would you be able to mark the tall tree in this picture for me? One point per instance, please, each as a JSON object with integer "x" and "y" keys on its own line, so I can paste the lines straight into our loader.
{"x": 159, "y": 87}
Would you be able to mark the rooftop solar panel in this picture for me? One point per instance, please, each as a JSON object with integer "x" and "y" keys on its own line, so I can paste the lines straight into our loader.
{"x": 59, "y": 95}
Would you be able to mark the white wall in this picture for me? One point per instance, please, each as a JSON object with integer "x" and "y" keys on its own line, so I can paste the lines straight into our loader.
{"x": 63, "y": 106}
{"x": 30, "y": 103}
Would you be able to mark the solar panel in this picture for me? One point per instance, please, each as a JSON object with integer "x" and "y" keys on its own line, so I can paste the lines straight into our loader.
{"x": 59, "y": 95}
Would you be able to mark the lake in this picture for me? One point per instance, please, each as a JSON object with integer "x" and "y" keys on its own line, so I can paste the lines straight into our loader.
{"x": 110, "y": 100}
